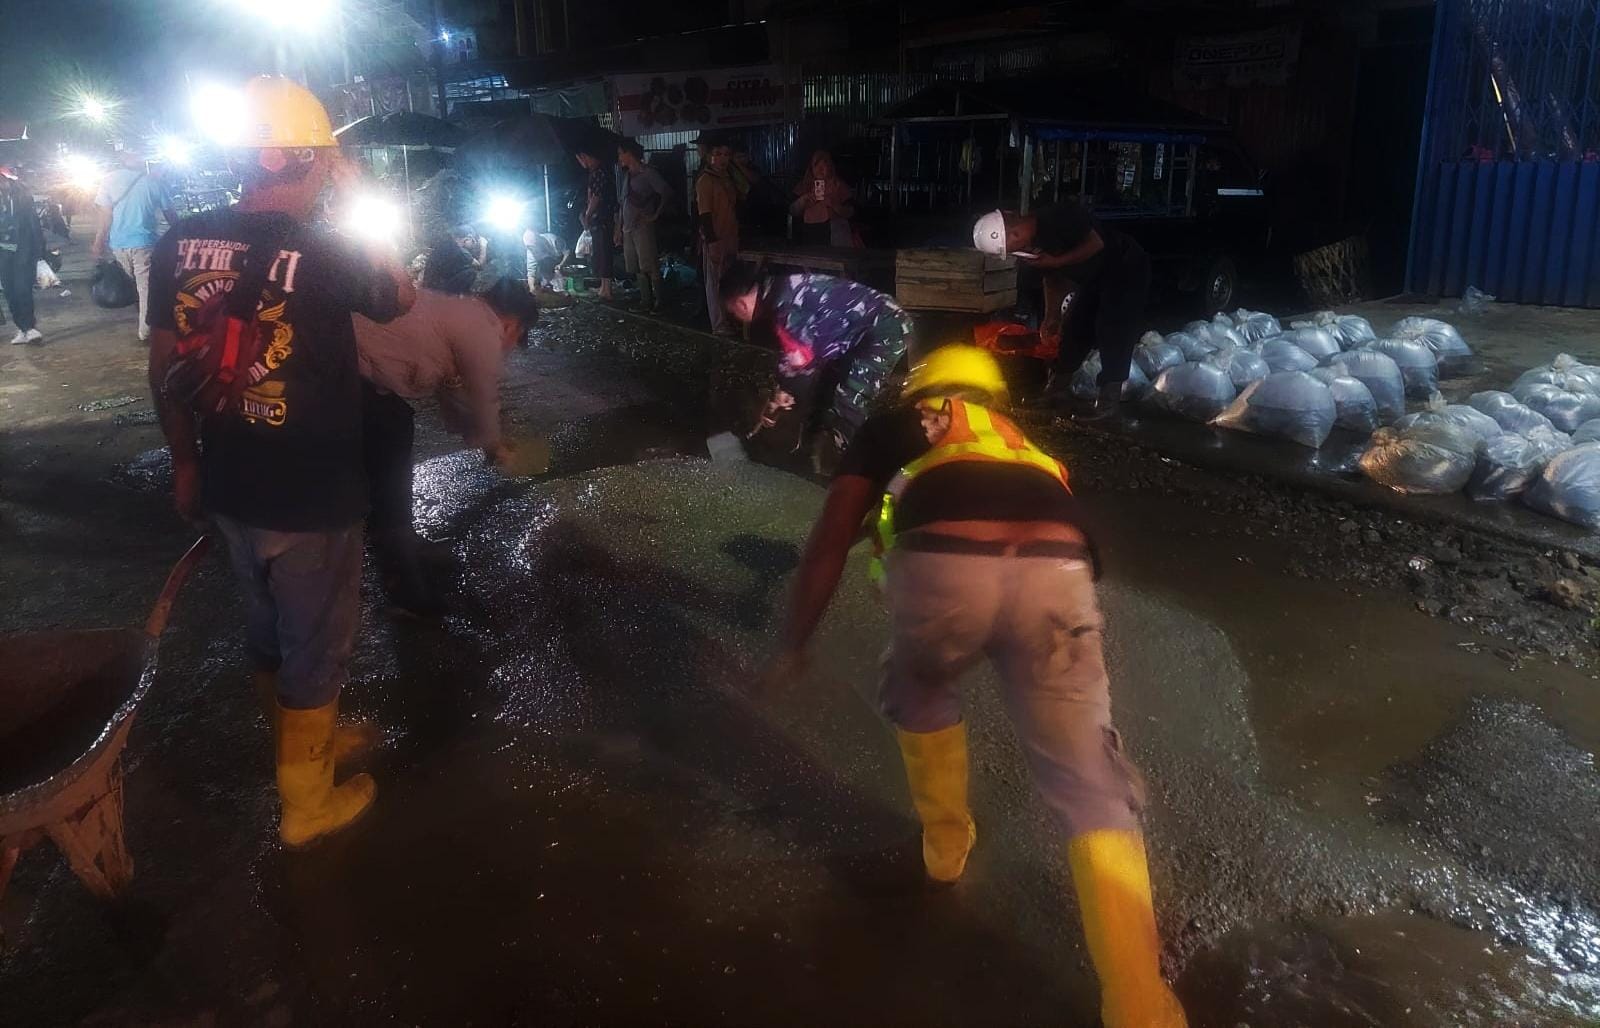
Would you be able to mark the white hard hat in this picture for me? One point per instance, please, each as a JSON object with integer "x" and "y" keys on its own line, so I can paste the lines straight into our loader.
{"x": 989, "y": 234}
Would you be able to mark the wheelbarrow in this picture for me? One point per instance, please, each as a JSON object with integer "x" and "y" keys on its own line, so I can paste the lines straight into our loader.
{"x": 67, "y": 700}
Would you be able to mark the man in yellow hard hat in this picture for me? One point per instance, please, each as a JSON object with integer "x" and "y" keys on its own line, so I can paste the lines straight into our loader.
{"x": 279, "y": 473}
{"x": 981, "y": 552}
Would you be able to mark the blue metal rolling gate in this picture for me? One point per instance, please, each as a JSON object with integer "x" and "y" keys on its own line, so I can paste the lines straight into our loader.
{"x": 1508, "y": 184}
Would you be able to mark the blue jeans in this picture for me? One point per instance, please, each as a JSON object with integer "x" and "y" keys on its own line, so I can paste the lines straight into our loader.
{"x": 303, "y": 591}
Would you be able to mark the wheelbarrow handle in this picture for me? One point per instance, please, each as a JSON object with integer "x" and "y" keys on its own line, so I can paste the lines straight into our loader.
{"x": 157, "y": 622}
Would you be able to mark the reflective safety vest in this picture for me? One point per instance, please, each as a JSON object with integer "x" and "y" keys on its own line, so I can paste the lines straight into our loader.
{"x": 975, "y": 434}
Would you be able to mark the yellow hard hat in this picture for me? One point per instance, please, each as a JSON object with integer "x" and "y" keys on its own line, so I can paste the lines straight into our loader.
{"x": 953, "y": 368}
{"x": 281, "y": 113}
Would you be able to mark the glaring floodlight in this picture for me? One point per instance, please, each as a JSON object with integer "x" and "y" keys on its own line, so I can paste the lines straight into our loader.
{"x": 94, "y": 108}
{"x": 444, "y": 37}
{"x": 303, "y": 16}
{"x": 218, "y": 113}
{"x": 505, "y": 212}
{"x": 374, "y": 218}
{"x": 82, "y": 172}
{"x": 174, "y": 151}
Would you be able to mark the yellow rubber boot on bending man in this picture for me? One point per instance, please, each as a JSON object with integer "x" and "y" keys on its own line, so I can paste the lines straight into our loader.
{"x": 982, "y": 556}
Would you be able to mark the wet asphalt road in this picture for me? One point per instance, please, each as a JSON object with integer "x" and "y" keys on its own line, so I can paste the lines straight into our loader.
{"x": 1358, "y": 817}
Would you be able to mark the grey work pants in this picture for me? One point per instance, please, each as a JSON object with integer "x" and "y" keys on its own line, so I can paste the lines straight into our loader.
{"x": 1037, "y": 619}
{"x": 136, "y": 262}
{"x": 303, "y": 591}
{"x": 640, "y": 258}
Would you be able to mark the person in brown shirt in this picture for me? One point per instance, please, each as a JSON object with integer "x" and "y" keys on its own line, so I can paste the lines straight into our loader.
{"x": 717, "y": 201}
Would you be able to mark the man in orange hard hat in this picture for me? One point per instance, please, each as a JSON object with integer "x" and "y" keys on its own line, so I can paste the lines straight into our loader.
{"x": 981, "y": 552}
{"x": 280, "y": 472}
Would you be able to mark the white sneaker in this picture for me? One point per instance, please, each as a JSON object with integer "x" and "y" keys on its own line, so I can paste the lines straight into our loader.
{"x": 33, "y": 336}
{"x": 20, "y": 338}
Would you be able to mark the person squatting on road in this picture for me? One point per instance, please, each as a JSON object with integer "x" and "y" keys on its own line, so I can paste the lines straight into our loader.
{"x": 839, "y": 342}
{"x": 1106, "y": 273}
{"x": 21, "y": 247}
{"x": 452, "y": 348}
{"x": 280, "y": 473}
{"x": 127, "y": 204}
{"x": 981, "y": 553}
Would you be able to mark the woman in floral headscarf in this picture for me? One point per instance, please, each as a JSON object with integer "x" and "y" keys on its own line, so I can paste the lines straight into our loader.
{"x": 823, "y": 203}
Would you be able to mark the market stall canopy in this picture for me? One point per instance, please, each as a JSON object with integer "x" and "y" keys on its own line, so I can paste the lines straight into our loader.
{"x": 533, "y": 139}
{"x": 1047, "y": 109}
{"x": 401, "y": 128}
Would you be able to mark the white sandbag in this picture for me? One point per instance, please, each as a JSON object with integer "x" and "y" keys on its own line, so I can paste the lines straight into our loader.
{"x": 1566, "y": 409}
{"x": 1194, "y": 391}
{"x": 1509, "y": 463}
{"x": 1382, "y": 377}
{"x": 1348, "y": 330}
{"x": 1418, "y": 365}
{"x": 1458, "y": 414}
{"x": 1243, "y": 365}
{"x": 1318, "y": 342}
{"x": 1434, "y": 457}
{"x": 1286, "y": 404}
{"x": 1508, "y": 412}
{"x": 1569, "y": 486}
{"x": 44, "y": 276}
{"x": 1085, "y": 381}
{"x": 1155, "y": 357}
{"x": 1564, "y": 372}
{"x": 1449, "y": 349}
{"x": 1219, "y": 332}
{"x": 1354, "y": 408}
{"x": 1281, "y": 354}
{"x": 1255, "y": 326}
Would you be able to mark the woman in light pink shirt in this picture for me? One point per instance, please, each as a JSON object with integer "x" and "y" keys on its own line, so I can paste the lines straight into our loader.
{"x": 824, "y": 203}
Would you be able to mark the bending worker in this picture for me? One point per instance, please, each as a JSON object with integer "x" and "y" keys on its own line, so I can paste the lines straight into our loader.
{"x": 452, "y": 348}
{"x": 839, "y": 342}
{"x": 983, "y": 552}
{"x": 1106, "y": 273}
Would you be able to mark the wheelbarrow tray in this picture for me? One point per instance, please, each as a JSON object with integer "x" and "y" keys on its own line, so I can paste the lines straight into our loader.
{"x": 66, "y": 705}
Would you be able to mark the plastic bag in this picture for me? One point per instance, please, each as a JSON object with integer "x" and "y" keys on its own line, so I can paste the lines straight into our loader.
{"x": 1223, "y": 333}
{"x": 1569, "y": 486}
{"x": 1318, "y": 342}
{"x": 1154, "y": 357}
{"x": 1510, "y": 462}
{"x": 1382, "y": 377}
{"x": 1508, "y": 412}
{"x": 1564, "y": 372}
{"x": 1255, "y": 326}
{"x": 1435, "y": 457}
{"x": 585, "y": 245}
{"x": 44, "y": 277}
{"x": 1287, "y": 404}
{"x": 1566, "y": 409}
{"x": 1588, "y": 432}
{"x": 1439, "y": 336}
{"x": 1418, "y": 365}
{"x": 1474, "y": 301}
{"x": 1243, "y": 366}
{"x": 1194, "y": 348}
{"x": 1194, "y": 391}
{"x": 1355, "y": 409}
{"x": 1281, "y": 354}
{"x": 1348, "y": 330}
{"x": 1458, "y": 414}
{"x": 111, "y": 287}
{"x": 1085, "y": 381}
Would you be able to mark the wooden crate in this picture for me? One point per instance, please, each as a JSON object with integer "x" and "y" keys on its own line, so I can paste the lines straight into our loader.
{"x": 954, "y": 280}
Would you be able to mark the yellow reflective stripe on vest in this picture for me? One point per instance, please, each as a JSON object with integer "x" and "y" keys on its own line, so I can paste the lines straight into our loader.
{"x": 976, "y": 439}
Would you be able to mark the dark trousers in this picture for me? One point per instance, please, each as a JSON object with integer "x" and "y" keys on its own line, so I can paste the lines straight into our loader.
{"x": 1107, "y": 316}
{"x": 16, "y": 278}
{"x": 388, "y": 439}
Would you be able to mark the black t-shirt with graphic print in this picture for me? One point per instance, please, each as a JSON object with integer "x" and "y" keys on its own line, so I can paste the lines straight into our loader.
{"x": 959, "y": 491}
{"x": 291, "y": 461}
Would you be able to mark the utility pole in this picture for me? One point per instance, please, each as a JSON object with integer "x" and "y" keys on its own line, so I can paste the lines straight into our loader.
{"x": 437, "y": 47}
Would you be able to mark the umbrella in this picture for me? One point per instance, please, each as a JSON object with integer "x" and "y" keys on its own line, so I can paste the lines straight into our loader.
{"x": 401, "y": 128}
{"x": 533, "y": 139}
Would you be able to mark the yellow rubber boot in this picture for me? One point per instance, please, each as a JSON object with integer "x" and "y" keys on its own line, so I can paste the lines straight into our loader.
{"x": 936, "y": 768}
{"x": 312, "y": 805}
{"x": 1119, "y": 922}
{"x": 352, "y": 740}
